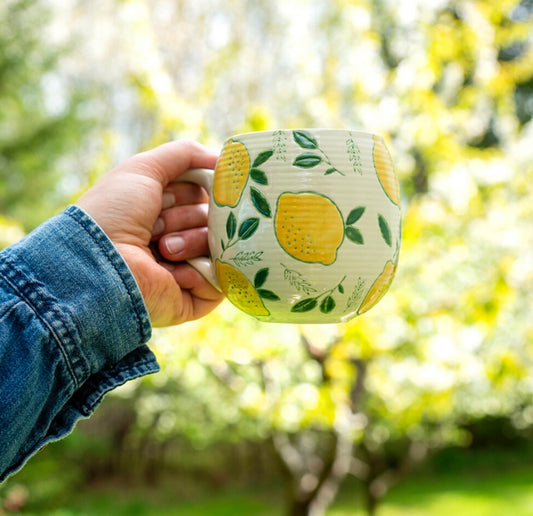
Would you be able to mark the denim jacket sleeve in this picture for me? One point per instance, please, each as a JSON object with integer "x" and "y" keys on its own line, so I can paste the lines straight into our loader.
{"x": 73, "y": 326}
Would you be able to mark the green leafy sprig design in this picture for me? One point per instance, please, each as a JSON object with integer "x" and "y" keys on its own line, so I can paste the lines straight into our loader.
{"x": 296, "y": 280}
{"x": 357, "y": 294}
{"x": 279, "y": 142}
{"x": 244, "y": 231}
{"x": 326, "y": 305}
{"x": 247, "y": 258}
{"x": 311, "y": 159}
{"x": 354, "y": 154}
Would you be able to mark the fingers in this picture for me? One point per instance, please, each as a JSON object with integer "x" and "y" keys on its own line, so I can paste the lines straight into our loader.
{"x": 184, "y": 245}
{"x": 166, "y": 162}
{"x": 185, "y": 233}
{"x": 184, "y": 195}
{"x": 182, "y": 232}
{"x": 184, "y": 217}
{"x": 178, "y": 194}
{"x": 181, "y": 228}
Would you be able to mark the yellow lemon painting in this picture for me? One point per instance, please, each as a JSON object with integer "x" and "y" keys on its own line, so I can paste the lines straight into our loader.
{"x": 379, "y": 288}
{"x": 231, "y": 174}
{"x": 385, "y": 171}
{"x": 309, "y": 227}
{"x": 239, "y": 290}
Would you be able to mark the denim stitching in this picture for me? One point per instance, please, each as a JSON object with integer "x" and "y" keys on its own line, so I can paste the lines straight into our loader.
{"x": 103, "y": 242}
{"x": 40, "y": 308}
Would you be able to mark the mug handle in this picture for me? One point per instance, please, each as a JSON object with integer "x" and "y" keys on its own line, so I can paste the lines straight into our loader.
{"x": 203, "y": 177}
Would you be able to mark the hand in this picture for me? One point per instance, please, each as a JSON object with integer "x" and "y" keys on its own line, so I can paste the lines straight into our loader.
{"x": 136, "y": 204}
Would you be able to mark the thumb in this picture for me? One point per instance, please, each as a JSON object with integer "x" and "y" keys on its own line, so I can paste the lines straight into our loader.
{"x": 168, "y": 161}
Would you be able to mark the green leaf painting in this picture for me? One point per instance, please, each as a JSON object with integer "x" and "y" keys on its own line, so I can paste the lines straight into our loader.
{"x": 261, "y": 277}
{"x": 268, "y": 294}
{"x": 355, "y": 215}
{"x": 311, "y": 160}
{"x": 354, "y": 235}
{"x": 248, "y": 228}
{"x": 327, "y": 305}
{"x": 259, "y": 280}
{"x": 260, "y": 202}
{"x": 305, "y": 140}
{"x": 306, "y": 305}
{"x": 231, "y": 225}
{"x": 262, "y": 158}
{"x": 258, "y": 176}
{"x": 307, "y": 161}
{"x": 385, "y": 230}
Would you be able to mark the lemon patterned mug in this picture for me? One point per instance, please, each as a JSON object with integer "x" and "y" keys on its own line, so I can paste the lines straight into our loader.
{"x": 304, "y": 225}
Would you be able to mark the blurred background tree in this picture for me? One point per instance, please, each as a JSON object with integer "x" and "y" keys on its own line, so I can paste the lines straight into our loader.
{"x": 42, "y": 122}
{"x": 444, "y": 361}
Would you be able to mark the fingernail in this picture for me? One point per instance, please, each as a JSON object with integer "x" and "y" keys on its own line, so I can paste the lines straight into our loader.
{"x": 168, "y": 200}
{"x": 175, "y": 244}
{"x": 159, "y": 227}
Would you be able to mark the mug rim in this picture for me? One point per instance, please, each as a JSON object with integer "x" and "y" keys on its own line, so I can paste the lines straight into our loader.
{"x": 330, "y": 130}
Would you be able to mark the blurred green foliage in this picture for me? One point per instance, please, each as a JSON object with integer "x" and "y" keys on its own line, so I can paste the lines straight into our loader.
{"x": 40, "y": 121}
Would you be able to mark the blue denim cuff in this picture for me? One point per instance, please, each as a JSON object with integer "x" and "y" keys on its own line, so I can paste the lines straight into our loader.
{"x": 81, "y": 269}
{"x": 74, "y": 327}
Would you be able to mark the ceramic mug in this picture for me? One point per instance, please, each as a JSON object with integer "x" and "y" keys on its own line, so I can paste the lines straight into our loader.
{"x": 304, "y": 225}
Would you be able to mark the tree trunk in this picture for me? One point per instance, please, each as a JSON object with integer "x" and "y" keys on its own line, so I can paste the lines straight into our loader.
{"x": 371, "y": 502}
{"x": 299, "y": 507}
{"x": 316, "y": 500}
{"x": 335, "y": 463}
{"x": 324, "y": 498}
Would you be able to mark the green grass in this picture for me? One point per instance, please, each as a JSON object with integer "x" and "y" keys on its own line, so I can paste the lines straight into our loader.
{"x": 490, "y": 494}
{"x": 120, "y": 502}
{"x": 477, "y": 494}
{"x": 484, "y": 493}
